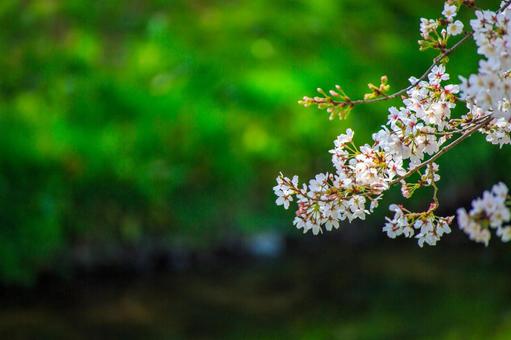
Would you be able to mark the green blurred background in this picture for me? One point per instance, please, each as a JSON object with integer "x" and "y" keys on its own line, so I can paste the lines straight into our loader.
{"x": 125, "y": 120}
{"x": 129, "y": 124}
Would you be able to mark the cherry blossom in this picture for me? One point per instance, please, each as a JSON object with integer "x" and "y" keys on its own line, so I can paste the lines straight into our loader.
{"x": 449, "y": 11}
{"x": 488, "y": 212}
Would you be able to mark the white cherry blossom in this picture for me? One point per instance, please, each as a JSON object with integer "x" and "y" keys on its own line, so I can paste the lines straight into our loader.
{"x": 455, "y": 28}
{"x": 449, "y": 11}
{"x": 488, "y": 212}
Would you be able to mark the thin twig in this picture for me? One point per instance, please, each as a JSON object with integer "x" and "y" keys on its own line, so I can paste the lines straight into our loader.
{"x": 436, "y": 62}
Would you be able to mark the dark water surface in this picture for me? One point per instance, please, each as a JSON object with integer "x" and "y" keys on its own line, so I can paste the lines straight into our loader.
{"x": 321, "y": 292}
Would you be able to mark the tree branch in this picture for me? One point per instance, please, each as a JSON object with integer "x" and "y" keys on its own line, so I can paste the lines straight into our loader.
{"x": 460, "y": 139}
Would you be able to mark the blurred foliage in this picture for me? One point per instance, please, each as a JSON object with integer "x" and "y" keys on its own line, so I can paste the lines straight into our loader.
{"x": 128, "y": 119}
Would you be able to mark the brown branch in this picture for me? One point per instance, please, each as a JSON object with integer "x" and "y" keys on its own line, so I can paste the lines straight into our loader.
{"x": 460, "y": 139}
{"x": 504, "y": 6}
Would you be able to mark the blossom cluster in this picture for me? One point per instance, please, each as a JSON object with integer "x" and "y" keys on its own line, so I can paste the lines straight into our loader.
{"x": 403, "y": 151}
{"x": 488, "y": 212}
{"x": 364, "y": 173}
{"x": 449, "y": 27}
{"x": 489, "y": 90}
{"x": 320, "y": 203}
{"x": 429, "y": 227}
